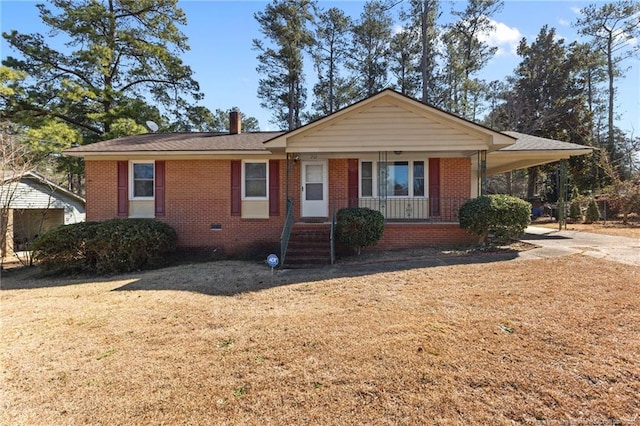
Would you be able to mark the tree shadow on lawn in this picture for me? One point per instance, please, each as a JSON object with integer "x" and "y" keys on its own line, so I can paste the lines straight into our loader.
{"x": 232, "y": 277}
{"x": 244, "y": 277}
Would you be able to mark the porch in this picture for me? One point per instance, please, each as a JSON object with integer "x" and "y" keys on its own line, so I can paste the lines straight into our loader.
{"x": 409, "y": 222}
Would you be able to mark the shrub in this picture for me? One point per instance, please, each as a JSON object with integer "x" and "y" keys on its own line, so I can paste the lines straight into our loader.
{"x": 593, "y": 212}
{"x": 64, "y": 249}
{"x": 117, "y": 245}
{"x": 575, "y": 210}
{"x": 359, "y": 227}
{"x": 575, "y": 206}
{"x": 503, "y": 216}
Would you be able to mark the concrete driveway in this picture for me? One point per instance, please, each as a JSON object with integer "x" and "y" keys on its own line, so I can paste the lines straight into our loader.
{"x": 554, "y": 243}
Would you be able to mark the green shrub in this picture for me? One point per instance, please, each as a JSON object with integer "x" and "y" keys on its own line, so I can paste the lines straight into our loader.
{"x": 503, "y": 216}
{"x": 575, "y": 210}
{"x": 593, "y": 212}
{"x": 64, "y": 249}
{"x": 359, "y": 227}
{"x": 117, "y": 245}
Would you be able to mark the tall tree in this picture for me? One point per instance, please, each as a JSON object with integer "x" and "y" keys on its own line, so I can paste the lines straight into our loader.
{"x": 119, "y": 51}
{"x": 593, "y": 73}
{"x": 422, "y": 18}
{"x": 370, "y": 48}
{"x": 547, "y": 98}
{"x": 404, "y": 51}
{"x": 329, "y": 52}
{"x": 466, "y": 55}
{"x": 285, "y": 23}
{"x": 614, "y": 29}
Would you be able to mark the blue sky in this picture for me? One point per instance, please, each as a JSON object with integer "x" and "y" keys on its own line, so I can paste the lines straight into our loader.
{"x": 220, "y": 35}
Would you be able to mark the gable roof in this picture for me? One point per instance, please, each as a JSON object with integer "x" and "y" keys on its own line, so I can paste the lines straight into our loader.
{"x": 10, "y": 176}
{"x": 386, "y": 121}
{"x": 389, "y": 118}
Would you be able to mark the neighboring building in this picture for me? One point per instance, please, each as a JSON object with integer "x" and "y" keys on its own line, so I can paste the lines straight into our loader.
{"x": 31, "y": 205}
{"x": 413, "y": 162}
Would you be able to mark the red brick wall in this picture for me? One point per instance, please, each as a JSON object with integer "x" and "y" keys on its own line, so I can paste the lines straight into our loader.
{"x": 409, "y": 235}
{"x": 198, "y": 195}
{"x": 101, "y": 185}
{"x": 455, "y": 177}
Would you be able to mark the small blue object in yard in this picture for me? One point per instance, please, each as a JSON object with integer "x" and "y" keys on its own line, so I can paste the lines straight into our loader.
{"x": 272, "y": 260}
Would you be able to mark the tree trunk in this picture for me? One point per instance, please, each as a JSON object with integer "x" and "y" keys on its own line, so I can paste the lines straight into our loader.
{"x": 532, "y": 173}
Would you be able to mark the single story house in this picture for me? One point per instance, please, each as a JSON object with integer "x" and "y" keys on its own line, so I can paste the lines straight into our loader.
{"x": 238, "y": 192}
{"x": 31, "y": 204}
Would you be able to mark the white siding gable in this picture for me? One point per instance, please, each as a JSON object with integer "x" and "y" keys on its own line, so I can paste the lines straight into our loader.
{"x": 385, "y": 125}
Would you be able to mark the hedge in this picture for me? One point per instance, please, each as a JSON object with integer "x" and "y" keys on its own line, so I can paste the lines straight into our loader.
{"x": 503, "y": 216}
{"x": 117, "y": 245}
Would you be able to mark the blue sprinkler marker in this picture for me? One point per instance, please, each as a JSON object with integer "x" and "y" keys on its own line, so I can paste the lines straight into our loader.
{"x": 272, "y": 261}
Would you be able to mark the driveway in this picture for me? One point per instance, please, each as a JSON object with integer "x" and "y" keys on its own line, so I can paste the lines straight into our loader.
{"x": 553, "y": 243}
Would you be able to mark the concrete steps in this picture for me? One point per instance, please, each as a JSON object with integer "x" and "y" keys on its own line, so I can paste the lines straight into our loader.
{"x": 309, "y": 246}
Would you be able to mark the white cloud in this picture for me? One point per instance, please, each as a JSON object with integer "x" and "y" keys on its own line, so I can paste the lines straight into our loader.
{"x": 563, "y": 22}
{"x": 504, "y": 37}
{"x": 575, "y": 10}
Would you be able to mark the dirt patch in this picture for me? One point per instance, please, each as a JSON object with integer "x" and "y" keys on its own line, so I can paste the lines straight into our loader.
{"x": 492, "y": 341}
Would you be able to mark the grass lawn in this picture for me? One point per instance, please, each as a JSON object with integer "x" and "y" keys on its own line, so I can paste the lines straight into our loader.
{"x": 553, "y": 341}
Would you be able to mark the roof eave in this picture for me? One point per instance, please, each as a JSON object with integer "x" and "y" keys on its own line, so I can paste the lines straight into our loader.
{"x": 164, "y": 153}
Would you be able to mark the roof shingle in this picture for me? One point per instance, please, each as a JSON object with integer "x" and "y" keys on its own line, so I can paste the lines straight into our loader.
{"x": 201, "y": 141}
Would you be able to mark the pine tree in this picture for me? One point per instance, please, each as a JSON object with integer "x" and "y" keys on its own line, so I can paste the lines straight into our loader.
{"x": 369, "y": 57}
{"x": 614, "y": 29}
{"x": 547, "y": 99}
{"x": 422, "y": 19}
{"x": 329, "y": 52}
{"x": 465, "y": 55}
{"x": 120, "y": 53}
{"x": 284, "y": 23}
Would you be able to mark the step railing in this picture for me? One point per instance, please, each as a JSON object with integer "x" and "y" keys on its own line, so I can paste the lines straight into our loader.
{"x": 332, "y": 235}
{"x": 286, "y": 231}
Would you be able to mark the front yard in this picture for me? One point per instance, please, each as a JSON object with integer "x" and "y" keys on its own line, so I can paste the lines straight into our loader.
{"x": 552, "y": 341}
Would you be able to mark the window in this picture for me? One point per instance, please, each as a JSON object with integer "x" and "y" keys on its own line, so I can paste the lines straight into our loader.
{"x": 142, "y": 180}
{"x": 418, "y": 178}
{"x": 394, "y": 179}
{"x": 255, "y": 180}
{"x": 366, "y": 179}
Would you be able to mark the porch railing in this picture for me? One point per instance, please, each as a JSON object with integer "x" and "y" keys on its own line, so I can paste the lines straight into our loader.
{"x": 286, "y": 231}
{"x": 435, "y": 209}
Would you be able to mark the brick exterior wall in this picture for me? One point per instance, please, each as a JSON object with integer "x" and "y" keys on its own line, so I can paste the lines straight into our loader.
{"x": 455, "y": 177}
{"x": 198, "y": 195}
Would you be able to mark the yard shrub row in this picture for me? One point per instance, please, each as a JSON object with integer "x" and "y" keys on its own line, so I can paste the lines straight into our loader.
{"x": 502, "y": 216}
{"x": 117, "y": 245}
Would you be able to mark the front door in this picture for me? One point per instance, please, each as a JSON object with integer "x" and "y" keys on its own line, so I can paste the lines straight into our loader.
{"x": 314, "y": 189}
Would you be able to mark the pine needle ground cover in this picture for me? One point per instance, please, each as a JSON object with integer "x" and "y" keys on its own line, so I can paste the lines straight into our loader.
{"x": 512, "y": 342}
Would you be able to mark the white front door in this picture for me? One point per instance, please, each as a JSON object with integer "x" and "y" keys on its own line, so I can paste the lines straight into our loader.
{"x": 313, "y": 189}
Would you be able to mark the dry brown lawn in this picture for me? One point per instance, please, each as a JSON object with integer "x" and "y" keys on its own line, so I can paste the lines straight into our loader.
{"x": 553, "y": 341}
{"x": 615, "y": 228}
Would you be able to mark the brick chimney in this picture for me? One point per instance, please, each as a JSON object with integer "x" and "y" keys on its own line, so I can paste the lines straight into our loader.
{"x": 235, "y": 122}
